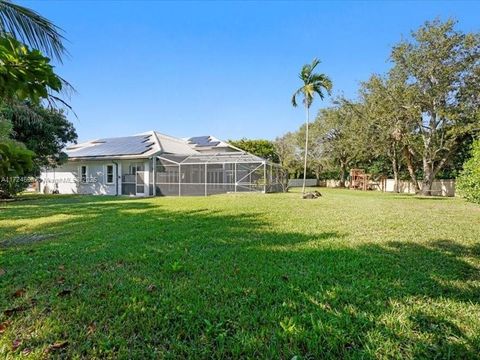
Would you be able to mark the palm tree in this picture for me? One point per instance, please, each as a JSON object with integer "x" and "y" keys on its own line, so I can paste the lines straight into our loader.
{"x": 313, "y": 83}
{"x": 31, "y": 28}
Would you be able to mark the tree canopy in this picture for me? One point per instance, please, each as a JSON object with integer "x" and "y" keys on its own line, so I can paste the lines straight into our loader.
{"x": 31, "y": 135}
{"x": 417, "y": 121}
{"x": 260, "y": 147}
{"x": 27, "y": 74}
{"x": 45, "y": 131}
{"x": 442, "y": 66}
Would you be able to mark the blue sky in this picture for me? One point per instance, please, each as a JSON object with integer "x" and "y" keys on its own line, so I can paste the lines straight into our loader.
{"x": 222, "y": 68}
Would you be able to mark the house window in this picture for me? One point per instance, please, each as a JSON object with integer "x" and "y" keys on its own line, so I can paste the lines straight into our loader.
{"x": 109, "y": 174}
{"x": 83, "y": 173}
{"x": 133, "y": 169}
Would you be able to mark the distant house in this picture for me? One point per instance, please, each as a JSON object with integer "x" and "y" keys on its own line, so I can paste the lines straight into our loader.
{"x": 152, "y": 163}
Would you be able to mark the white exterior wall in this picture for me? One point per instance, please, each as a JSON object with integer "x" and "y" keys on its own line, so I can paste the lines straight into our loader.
{"x": 66, "y": 178}
{"x": 148, "y": 173}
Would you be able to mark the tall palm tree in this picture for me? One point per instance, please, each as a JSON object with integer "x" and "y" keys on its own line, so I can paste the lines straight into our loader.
{"x": 313, "y": 83}
{"x": 29, "y": 27}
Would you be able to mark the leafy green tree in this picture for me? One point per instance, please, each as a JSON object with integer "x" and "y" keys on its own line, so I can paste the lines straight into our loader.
{"x": 27, "y": 74}
{"x": 289, "y": 153}
{"x": 453, "y": 168}
{"x": 260, "y": 147}
{"x": 316, "y": 160}
{"x": 468, "y": 182}
{"x": 45, "y": 131}
{"x": 15, "y": 164}
{"x": 343, "y": 135}
{"x": 442, "y": 66}
{"x": 390, "y": 113}
{"x": 313, "y": 84}
{"x": 5, "y": 126}
{"x": 29, "y": 27}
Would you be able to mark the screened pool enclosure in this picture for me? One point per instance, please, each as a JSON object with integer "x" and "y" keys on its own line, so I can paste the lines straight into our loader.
{"x": 207, "y": 174}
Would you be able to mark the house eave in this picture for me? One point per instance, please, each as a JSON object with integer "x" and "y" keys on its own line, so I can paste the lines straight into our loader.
{"x": 126, "y": 157}
{"x": 114, "y": 157}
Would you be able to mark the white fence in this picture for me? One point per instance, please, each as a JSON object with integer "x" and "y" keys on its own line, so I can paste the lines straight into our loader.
{"x": 299, "y": 182}
{"x": 439, "y": 187}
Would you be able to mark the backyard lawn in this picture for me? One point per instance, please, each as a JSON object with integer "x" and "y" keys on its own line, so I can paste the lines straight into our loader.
{"x": 352, "y": 275}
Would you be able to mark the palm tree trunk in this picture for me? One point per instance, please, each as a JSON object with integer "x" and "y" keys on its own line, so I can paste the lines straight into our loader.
{"x": 306, "y": 149}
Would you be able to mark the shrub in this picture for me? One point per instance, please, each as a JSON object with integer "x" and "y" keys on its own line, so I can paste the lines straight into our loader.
{"x": 11, "y": 186}
{"x": 15, "y": 165}
{"x": 468, "y": 183}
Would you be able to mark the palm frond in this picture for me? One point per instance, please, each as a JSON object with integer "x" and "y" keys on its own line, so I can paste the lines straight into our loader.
{"x": 313, "y": 83}
{"x": 319, "y": 91}
{"x": 314, "y": 64}
{"x": 294, "y": 97}
{"x": 322, "y": 80}
{"x": 31, "y": 28}
{"x": 53, "y": 102}
{"x": 67, "y": 88}
{"x": 305, "y": 73}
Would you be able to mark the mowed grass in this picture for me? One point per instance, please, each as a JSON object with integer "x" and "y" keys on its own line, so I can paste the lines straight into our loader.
{"x": 350, "y": 275}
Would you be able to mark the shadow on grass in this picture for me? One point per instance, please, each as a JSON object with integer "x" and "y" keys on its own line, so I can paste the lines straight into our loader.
{"x": 139, "y": 280}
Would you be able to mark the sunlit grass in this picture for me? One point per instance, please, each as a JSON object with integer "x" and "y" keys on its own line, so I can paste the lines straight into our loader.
{"x": 352, "y": 275}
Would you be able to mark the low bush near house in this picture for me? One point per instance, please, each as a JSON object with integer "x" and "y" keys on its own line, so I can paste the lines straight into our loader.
{"x": 469, "y": 181}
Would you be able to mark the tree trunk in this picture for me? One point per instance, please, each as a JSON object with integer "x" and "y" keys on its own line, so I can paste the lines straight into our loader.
{"x": 430, "y": 173}
{"x": 306, "y": 148}
{"x": 395, "y": 169}
{"x": 428, "y": 176}
{"x": 343, "y": 172}
{"x": 317, "y": 174}
{"x": 395, "y": 175}
{"x": 307, "y": 120}
{"x": 410, "y": 167}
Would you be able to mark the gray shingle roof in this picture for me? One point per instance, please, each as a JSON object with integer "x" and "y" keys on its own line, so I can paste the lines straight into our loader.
{"x": 173, "y": 145}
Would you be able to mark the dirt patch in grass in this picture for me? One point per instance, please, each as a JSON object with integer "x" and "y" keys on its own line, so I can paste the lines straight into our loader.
{"x": 26, "y": 240}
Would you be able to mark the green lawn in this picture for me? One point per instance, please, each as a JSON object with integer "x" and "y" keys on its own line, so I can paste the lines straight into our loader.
{"x": 351, "y": 275}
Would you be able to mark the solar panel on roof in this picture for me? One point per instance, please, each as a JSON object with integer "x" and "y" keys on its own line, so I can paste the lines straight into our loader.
{"x": 202, "y": 141}
{"x": 130, "y": 145}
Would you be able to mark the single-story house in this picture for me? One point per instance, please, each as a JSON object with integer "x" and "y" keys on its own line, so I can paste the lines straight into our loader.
{"x": 152, "y": 163}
